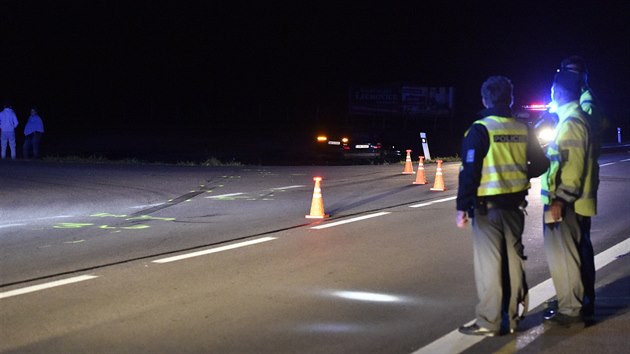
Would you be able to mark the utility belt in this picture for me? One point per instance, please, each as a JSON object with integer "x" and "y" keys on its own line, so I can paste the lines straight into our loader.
{"x": 482, "y": 205}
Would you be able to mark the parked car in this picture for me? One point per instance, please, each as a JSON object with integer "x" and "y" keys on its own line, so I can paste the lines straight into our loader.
{"x": 541, "y": 119}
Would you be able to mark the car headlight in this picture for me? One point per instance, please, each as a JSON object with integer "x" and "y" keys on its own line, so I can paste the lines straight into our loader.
{"x": 546, "y": 135}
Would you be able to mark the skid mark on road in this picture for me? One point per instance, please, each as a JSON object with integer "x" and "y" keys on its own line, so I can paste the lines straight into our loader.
{"x": 170, "y": 203}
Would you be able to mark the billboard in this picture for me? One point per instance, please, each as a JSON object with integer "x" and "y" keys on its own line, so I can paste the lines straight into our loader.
{"x": 403, "y": 100}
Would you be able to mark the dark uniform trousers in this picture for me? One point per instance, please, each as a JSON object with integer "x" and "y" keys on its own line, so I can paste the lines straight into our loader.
{"x": 499, "y": 274}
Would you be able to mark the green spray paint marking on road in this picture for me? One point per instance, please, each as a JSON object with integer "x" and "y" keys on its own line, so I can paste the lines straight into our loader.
{"x": 71, "y": 225}
{"x": 106, "y": 215}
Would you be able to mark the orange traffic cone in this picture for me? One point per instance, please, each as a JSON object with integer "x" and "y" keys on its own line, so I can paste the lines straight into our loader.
{"x": 438, "y": 185}
{"x": 408, "y": 168}
{"x": 420, "y": 177}
{"x": 317, "y": 205}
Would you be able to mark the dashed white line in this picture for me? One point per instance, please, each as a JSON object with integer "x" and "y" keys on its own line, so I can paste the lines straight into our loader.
{"x": 433, "y": 202}
{"x": 39, "y": 287}
{"x": 455, "y": 342}
{"x": 337, "y": 223}
{"x": 613, "y": 163}
{"x": 214, "y": 250}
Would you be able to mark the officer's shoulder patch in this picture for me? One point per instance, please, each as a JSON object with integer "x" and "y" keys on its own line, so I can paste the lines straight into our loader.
{"x": 470, "y": 156}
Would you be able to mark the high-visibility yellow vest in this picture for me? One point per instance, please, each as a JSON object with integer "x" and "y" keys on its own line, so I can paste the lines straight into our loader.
{"x": 573, "y": 173}
{"x": 586, "y": 102}
{"x": 504, "y": 168}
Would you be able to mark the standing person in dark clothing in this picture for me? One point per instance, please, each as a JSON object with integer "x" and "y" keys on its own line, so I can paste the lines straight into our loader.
{"x": 500, "y": 155}
{"x": 33, "y": 131}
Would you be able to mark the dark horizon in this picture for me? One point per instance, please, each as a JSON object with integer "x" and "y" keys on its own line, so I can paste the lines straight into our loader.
{"x": 138, "y": 69}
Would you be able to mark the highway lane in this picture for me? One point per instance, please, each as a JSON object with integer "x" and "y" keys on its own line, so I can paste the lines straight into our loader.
{"x": 85, "y": 216}
{"x": 392, "y": 283}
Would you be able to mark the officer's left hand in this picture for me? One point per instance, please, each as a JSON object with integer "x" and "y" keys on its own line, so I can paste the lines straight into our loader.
{"x": 461, "y": 219}
{"x": 556, "y": 208}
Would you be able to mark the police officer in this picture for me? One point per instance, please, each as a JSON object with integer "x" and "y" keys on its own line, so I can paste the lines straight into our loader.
{"x": 598, "y": 123}
{"x": 569, "y": 196}
{"x": 493, "y": 185}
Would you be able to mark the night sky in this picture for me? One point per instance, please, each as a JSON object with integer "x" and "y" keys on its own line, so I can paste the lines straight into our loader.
{"x": 194, "y": 77}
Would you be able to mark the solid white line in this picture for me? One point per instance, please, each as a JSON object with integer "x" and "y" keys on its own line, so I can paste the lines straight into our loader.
{"x": 455, "y": 342}
{"x": 337, "y": 223}
{"x": 287, "y": 187}
{"x": 53, "y": 284}
{"x": 213, "y": 250}
{"x": 432, "y": 202}
{"x": 609, "y": 255}
{"x": 225, "y": 195}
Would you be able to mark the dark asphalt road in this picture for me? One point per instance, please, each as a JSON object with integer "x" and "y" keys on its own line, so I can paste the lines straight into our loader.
{"x": 263, "y": 279}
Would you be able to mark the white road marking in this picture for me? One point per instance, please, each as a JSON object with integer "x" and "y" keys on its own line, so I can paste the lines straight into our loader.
{"x": 332, "y": 224}
{"x": 612, "y": 163}
{"x": 432, "y": 202}
{"x": 213, "y": 250}
{"x": 455, "y": 342}
{"x": 337, "y": 223}
{"x": 287, "y": 187}
{"x": 53, "y": 284}
{"x": 225, "y": 195}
